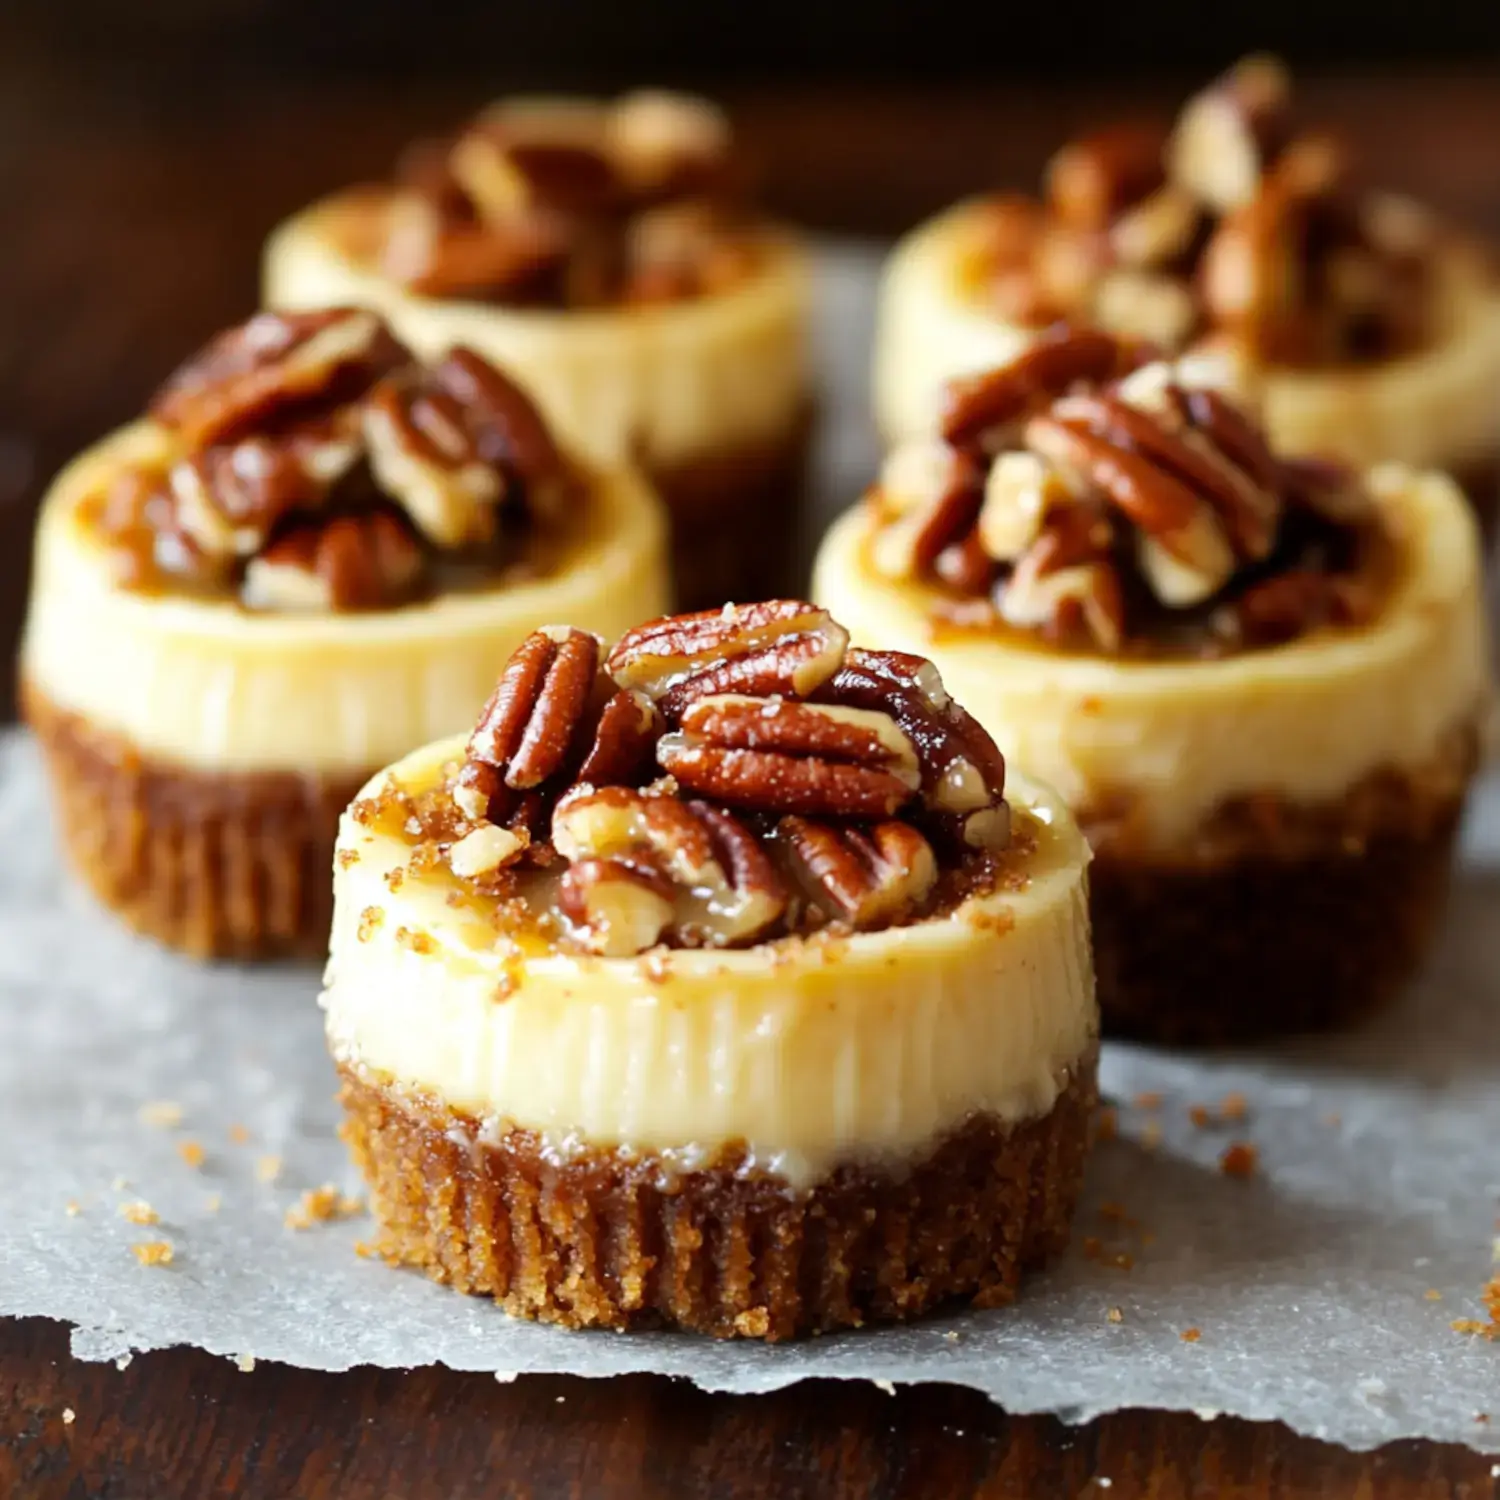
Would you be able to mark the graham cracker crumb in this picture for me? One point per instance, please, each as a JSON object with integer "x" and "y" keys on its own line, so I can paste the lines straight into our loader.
{"x": 69, "y": 1416}
{"x": 191, "y": 1152}
{"x": 346, "y": 858}
{"x": 754, "y": 1324}
{"x": 1191, "y": 1335}
{"x": 268, "y": 1168}
{"x": 369, "y": 920}
{"x": 164, "y": 1113}
{"x": 321, "y": 1206}
{"x": 1114, "y": 1315}
{"x": 418, "y": 941}
{"x": 153, "y": 1253}
{"x": 1239, "y": 1160}
{"x": 139, "y": 1212}
{"x": 238, "y": 1134}
{"x": 395, "y": 879}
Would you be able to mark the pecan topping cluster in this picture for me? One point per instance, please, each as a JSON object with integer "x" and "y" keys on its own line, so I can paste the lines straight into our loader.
{"x": 309, "y": 462}
{"x": 1098, "y": 497}
{"x": 722, "y": 778}
{"x": 1233, "y": 223}
{"x": 573, "y": 203}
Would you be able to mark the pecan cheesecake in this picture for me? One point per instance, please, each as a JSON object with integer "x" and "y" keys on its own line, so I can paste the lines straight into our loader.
{"x": 1260, "y": 683}
{"x": 307, "y": 557}
{"x": 722, "y": 980}
{"x": 607, "y": 252}
{"x": 1369, "y": 330}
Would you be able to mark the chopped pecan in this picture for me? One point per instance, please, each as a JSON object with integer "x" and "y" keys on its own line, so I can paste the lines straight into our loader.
{"x": 534, "y": 720}
{"x": 781, "y": 646}
{"x": 624, "y": 748}
{"x": 1157, "y": 231}
{"x": 962, "y": 770}
{"x": 935, "y": 492}
{"x": 664, "y": 143}
{"x": 779, "y": 755}
{"x": 1148, "y": 305}
{"x": 870, "y": 877}
{"x": 1090, "y": 180}
{"x": 978, "y": 409}
{"x": 485, "y": 849}
{"x": 965, "y": 566}
{"x": 349, "y": 563}
{"x": 1018, "y": 494}
{"x": 507, "y": 175}
{"x": 272, "y": 362}
{"x": 1064, "y": 601}
{"x": 727, "y": 891}
{"x": 1228, "y": 134}
{"x": 622, "y": 905}
{"x": 521, "y": 262}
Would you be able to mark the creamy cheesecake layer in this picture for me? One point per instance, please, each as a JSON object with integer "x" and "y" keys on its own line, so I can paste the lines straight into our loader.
{"x": 1305, "y": 720}
{"x": 207, "y": 684}
{"x": 812, "y": 1054}
{"x": 1436, "y": 409}
{"x": 662, "y": 386}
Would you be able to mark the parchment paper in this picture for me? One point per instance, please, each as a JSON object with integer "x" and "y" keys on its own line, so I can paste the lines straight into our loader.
{"x": 1322, "y": 1288}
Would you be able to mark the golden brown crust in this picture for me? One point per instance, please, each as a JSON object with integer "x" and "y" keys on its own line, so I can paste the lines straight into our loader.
{"x": 221, "y": 865}
{"x": 596, "y": 1241}
{"x": 735, "y": 518}
{"x": 1281, "y": 918}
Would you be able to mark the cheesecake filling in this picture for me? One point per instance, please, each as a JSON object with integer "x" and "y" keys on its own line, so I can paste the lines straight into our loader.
{"x": 733, "y": 886}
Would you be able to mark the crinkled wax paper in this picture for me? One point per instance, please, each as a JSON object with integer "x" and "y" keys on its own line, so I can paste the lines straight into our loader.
{"x": 1323, "y": 1287}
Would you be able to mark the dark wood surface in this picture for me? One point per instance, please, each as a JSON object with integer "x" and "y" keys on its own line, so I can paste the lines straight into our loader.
{"x": 134, "y": 204}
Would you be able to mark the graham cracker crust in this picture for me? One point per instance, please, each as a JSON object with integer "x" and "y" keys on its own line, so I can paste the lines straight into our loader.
{"x": 600, "y": 1242}
{"x": 734, "y": 518}
{"x": 1282, "y": 919}
{"x": 219, "y": 865}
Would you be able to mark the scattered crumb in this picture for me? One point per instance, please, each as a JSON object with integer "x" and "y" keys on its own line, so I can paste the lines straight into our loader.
{"x": 1201, "y": 1116}
{"x": 418, "y": 941}
{"x": 1149, "y": 1100}
{"x": 1191, "y": 1335}
{"x": 152, "y": 1253}
{"x": 1106, "y": 1124}
{"x": 139, "y": 1212}
{"x": 244, "y": 1363}
{"x": 1114, "y": 1315}
{"x": 347, "y": 857}
{"x": 369, "y": 919}
{"x": 162, "y": 1112}
{"x": 268, "y": 1168}
{"x": 1239, "y": 1160}
{"x": 884, "y": 1385}
{"x": 238, "y": 1134}
{"x": 1481, "y": 1417}
{"x": 72, "y": 1208}
{"x": 395, "y": 878}
{"x": 191, "y": 1152}
{"x": 1234, "y": 1107}
{"x": 1467, "y": 1325}
{"x": 755, "y": 1324}
{"x": 321, "y": 1206}
{"x": 366, "y": 1251}
{"x": 68, "y": 1416}
{"x": 1432, "y": 1294}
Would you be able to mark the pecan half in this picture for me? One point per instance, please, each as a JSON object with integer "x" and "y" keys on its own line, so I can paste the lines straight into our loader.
{"x": 779, "y": 755}
{"x": 869, "y": 877}
{"x": 1018, "y": 494}
{"x": 726, "y": 890}
{"x": 1227, "y": 135}
{"x": 624, "y": 748}
{"x": 664, "y": 143}
{"x": 935, "y": 492}
{"x": 978, "y": 409}
{"x": 533, "y": 721}
{"x": 1090, "y": 180}
{"x": 1292, "y": 603}
{"x": 781, "y": 646}
{"x": 349, "y": 563}
{"x": 1067, "y": 583}
{"x": 1157, "y": 231}
{"x": 274, "y": 361}
{"x": 962, "y": 770}
{"x": 506, "y": 173}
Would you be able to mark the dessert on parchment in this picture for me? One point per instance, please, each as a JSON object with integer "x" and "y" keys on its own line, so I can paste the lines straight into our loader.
{"x": 311, "y": 553}
{"x": 723, "y": 978}
{"x": 1260, "y": 683}
{"x": 608, "y": 253}
{"x": 1370, "y": 326}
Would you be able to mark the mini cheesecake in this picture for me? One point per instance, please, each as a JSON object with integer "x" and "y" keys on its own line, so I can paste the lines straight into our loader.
{"x": 1369, "y": 330}
{"x": 604, "y": 252}
{"x": 724, "y": 981}
{"x": 309, "y": 555}
{"x": 1260, "y": 684}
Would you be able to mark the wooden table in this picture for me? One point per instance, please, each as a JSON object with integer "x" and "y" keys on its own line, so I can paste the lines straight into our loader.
{"x": 134, "y": 210}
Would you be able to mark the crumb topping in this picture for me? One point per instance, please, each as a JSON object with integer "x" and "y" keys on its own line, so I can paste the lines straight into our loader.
{"x": 153, "y": 1253}
{"x": 1236, "y": 224}
{"x": 572, "y": 204}
{"x": 308, "y": 462}
{"x": 1093, "y": 498}
{"x": 716, "y": 780}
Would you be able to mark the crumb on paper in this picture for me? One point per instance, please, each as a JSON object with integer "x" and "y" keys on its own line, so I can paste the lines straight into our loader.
{"x": 244, "y": 1363}
{"x": 72, "y": 1208}
{"x": 191, "y": 1152}
{"x": 238, "y": 1134}
{"x": 152, "y": 1252}
{"x": 1234, "y": 1107}
{"x": 1151, "y": 1099}
{"x": 1190, "y": 1335}
{"x": 322, "y": 1205}
{"x": 268, "y": 1168}
{"x": 139, "y": 1212}
{"x": 365, "y": 1250}
{"x": 1239, "y": 1160}
{"x": 1115, "y": 1315}
{"x": 1201, "y": 1116}
{"x": 1432, "y": 1294}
